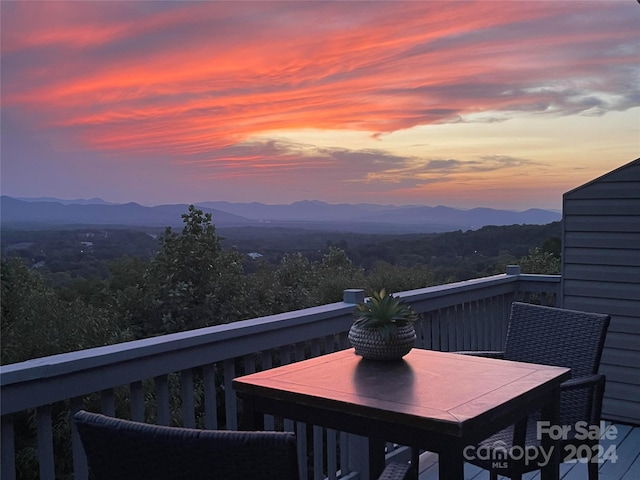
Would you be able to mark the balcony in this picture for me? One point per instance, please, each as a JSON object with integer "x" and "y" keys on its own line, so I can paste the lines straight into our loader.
{"x": 185, "y": 378}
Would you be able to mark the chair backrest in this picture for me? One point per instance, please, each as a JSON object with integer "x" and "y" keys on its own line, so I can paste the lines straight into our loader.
{"x": 556, "y": 336}
{"x": 566, "y": 338}
{"x": 119, "y": 449}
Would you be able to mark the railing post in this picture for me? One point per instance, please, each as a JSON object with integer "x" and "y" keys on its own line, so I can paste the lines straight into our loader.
{"x": 513, "y": 269}
{"x": 353, "y": 295}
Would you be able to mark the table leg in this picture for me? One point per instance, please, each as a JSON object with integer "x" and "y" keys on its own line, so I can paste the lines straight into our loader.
{"x": 451, "y": 464}
{"x": 551, "y": 414}
{"x": 251, "y": 420}
{"x": 376, "y": 457}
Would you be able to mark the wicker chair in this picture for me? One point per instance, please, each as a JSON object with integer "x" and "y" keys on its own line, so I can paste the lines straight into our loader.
{"x": 561, "y": 337}
{"x": 119, "y": 449}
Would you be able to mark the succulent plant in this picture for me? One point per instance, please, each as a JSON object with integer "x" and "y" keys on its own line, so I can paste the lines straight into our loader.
{"x": 385, "y": 313}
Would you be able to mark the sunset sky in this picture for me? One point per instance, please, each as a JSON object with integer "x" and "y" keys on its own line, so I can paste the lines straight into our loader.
{"x": 504, "y": 104}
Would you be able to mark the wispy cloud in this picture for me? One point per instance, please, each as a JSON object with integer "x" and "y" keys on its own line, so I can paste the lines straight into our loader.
{"x": 348, "y": 167}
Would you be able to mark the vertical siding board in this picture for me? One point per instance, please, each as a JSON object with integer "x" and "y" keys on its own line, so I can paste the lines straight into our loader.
{"x": 601, "y": 271}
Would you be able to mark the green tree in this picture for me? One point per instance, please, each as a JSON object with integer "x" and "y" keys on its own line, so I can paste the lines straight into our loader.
{"x": 540, "y": 262}
{"x": 37, "y": 322}
{"x": 295, "y": 283}
{"x": 545, "y": 260}
{"x": 396, "y": 278}
{"x": 334, "y": 274}
{"x": 192, "y": 282}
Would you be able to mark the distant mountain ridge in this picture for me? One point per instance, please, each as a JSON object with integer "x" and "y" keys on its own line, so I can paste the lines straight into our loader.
{"x": 310, "y": 214}
{"x": 46, "y": 213}
{"x": 409, "y": 214}
{"x": 77, "y": 201}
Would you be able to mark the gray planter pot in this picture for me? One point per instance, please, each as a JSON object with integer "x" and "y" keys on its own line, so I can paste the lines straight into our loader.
{"x": 369, "y": 343}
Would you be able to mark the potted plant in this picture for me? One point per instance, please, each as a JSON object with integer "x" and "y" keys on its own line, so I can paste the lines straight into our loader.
{"x": 383, "y": 327}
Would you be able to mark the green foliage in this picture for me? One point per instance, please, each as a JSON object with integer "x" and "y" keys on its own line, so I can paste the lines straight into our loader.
{"x": 191, "y": 282}
{"x": 385, "y": 313}
{"x": 298, "y": 282}
{"x": 37, "y": 322}
{"x": 540, "y": 262}
{"x": 63, "y": 256}
{"x": 398, "y": 278}
{"x": 334, "y": 274}
{"x": 544, "y": 260}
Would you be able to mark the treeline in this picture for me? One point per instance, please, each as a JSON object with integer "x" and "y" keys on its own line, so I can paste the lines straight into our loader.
{"x": 63, "y": 256}
{"x": 70, "y": 290}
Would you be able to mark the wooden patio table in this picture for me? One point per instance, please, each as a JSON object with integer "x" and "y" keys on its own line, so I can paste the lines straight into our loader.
{"x": 436, "y": 401}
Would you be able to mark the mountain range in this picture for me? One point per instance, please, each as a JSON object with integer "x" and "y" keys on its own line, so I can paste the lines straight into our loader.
{"x": 307, "y": 214}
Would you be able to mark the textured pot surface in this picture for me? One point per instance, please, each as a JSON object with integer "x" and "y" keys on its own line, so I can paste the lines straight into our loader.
{"x": 369, "y": 343}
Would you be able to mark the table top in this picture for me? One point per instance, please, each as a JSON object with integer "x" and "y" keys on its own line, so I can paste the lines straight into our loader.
{"x": 429, "y": 390}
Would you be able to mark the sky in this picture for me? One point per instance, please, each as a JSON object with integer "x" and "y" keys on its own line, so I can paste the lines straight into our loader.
{"x": 502, "y": 104}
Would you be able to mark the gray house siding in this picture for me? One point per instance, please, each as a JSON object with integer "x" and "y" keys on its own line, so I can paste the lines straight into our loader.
{"x": 601, "y": 273}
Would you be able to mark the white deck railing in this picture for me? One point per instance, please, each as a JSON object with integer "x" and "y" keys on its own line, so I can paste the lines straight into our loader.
{"x": 185, "y": 378}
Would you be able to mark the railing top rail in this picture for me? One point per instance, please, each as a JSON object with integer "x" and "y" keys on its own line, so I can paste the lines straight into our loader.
{"x": 48, "y": 379}
{"x": 93, "y": 357}
{"x": 530, "y": 277}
